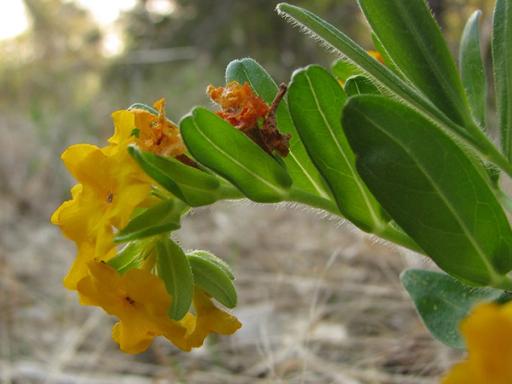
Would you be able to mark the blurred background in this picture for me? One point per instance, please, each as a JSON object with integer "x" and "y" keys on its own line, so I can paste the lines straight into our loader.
{"x": 320, "y": 302}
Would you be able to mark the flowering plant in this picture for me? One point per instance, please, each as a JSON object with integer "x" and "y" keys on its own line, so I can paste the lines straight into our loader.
{"x": 394, "y": 140}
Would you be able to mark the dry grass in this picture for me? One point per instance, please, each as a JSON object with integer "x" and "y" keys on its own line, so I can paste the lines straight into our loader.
{"x": 320, "y": 303}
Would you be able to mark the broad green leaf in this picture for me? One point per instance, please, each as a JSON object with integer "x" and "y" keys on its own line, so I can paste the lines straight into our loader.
{"x": 343, "y": 69}
{"x": 214, "y": 259}
{"x": 153, "y": 221}
{"x": 213, "y": 279}
{"x": 431, "y": 188}
{"x": 194, "y": 186}
{"x": 130, "y": 257}
{"x": 413, "y": 40}
{"x": 389, "y": 80}
{"x": 174, "y": 269}
{"x": 224, "y": 149}
{"x": 502, "y": 62}
{"x": 443, "y": 302}
{"x": 360, "y": 85}
{"x": 316, "y": 101}
{"x": 472, "y": 68}
{"x": 302, "y": 171}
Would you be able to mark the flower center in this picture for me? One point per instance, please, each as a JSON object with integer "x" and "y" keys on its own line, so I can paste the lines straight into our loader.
{"x": 110, "y": 197}
{"x": 129, "y": 300}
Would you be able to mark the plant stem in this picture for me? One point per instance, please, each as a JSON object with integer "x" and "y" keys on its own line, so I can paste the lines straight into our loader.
{"x": 300, "y": 196}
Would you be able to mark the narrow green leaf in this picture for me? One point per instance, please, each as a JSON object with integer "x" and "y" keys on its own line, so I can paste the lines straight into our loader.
{"x": 191, "y": 185}
{"x": 227, "y": 151}
{"x": 174, "y": 269}
{"x": 316, "y": 101}
{"x": 431, "y": 188}
{"x": 153, "y": 221}
{"x": 472, "y": 69}
{"x": 214, "y": 259}
{"x": 302, "y": 171}
{"x": 360, "y": 85}
{"x": 502, "y": 62}
{"x": 213, "y": 279}
{"x": 340, "y": 42}
{"x": 443, "y": 302}
{"x": 414, "y": 42}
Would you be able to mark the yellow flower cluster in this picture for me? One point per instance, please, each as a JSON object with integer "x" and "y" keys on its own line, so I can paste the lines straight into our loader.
{"x": 110, "y": 187}
{"x": 488, "y": 335}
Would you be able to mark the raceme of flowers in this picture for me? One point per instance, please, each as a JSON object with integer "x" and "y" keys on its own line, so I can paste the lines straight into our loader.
{"x": 111, "y": 188}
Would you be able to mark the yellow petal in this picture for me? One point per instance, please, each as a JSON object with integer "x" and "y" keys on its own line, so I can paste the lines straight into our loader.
{"x": 124, "y": 124}
{"x": 79, "y": 269}
{"x": 133, "y": 335}
{"x": 488, "y": 335}
{"x": 74, "y": 155}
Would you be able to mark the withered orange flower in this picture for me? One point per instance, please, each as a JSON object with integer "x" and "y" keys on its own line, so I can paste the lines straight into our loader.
{"x": 242, "y": 108}
{"x": 156, "y": 133}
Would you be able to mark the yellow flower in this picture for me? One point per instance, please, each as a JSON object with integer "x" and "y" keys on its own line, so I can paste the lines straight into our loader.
{"x": 140, "y": 301}
{"x": 110, "y": 188}
{"x": 208, "y": 319}
{"x": 488, "y": 335}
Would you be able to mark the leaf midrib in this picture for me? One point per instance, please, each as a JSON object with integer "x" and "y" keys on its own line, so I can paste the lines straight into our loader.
{"x": 355, "y": 176}
{"x": 236, "y": 162}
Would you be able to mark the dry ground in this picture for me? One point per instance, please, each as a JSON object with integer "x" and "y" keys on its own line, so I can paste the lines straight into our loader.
{"x": 320, "y": 303}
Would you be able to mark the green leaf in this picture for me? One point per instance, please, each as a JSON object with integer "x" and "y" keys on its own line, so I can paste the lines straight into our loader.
{"x": 191, "y": 185}
{"x": 213, "y": 279}
{"x": 153, "y": 221}
{"x": 227, "y": 151}
{"x": 174, "y": 269}
{"x": 443, "y": 302}
{"x": 316, "y": 100}
{"x": 436, "y": 193}
{"x": 502, "y": 62}
{"x": 343, "y": 69}
{"x": 360, "y": 85}
{"x": 130, "y": 257}
{"x": 300, "y": 167}
{"x": 413, "y": 40}
{"x": 388, "y": 62}
{"x": 389, "y": 80}
{"x": 472, "y": 69}
{"x": 214, "y": 259}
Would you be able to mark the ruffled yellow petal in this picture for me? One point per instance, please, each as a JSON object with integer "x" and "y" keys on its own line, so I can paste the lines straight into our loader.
{"x": 131, "y": 341}
{"x": 209, "y": 319}
{"x": 124, "y": 124}
{"x": 87, "y": 252}
{"x": 140, "y": 301}
{"x": 74, "y": 155}
{"x": 488, "y": 335}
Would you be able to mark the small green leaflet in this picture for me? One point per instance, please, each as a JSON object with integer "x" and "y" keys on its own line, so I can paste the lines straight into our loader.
{"x": 174, "y": 269}
{"x": 212, "y": 277}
